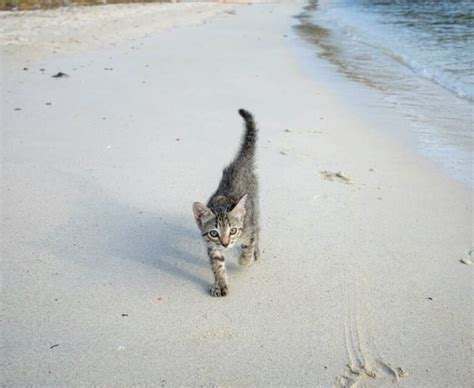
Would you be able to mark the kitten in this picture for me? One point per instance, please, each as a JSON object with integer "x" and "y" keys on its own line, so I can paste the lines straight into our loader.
{"x": 231, "y": 214}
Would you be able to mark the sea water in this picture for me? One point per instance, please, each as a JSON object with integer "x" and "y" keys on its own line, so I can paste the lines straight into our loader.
{"x": 417, "y": 58}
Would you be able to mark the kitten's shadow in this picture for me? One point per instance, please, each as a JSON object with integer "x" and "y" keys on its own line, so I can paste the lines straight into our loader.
{"x": 104, "y": 229}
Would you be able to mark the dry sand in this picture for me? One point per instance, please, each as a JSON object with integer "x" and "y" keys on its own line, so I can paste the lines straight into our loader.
{"x": 27, "y": 36}
{"x": 105, "y": 279}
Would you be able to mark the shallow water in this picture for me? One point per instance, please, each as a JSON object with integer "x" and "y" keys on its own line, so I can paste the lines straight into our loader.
{"x": 417, "y": 58}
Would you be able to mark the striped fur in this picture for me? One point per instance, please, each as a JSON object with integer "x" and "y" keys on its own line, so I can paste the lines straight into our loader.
{"x": 231, "y": 214}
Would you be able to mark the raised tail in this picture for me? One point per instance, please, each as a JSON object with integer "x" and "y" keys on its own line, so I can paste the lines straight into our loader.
{"x": 247, "y": 149}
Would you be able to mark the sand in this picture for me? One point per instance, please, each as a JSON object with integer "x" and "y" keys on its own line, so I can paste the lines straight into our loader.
{"x": 105, "y": 279}
{"x": 28, "y": 36}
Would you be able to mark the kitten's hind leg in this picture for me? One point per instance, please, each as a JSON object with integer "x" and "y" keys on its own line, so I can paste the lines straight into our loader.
{"x": 217, "y": 260}
{"x": 257, "y": 246}
{"x": 250, "y": 250}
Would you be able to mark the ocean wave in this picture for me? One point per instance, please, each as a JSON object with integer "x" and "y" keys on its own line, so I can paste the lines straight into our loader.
{"x": 432, "y": 74}
{"x": 432, "y": 49}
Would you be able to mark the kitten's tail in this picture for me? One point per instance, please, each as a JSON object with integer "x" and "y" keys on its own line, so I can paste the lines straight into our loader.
{"x": 247, "y": 149}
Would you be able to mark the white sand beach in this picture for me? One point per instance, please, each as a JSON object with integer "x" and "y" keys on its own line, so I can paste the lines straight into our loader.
{"x": 28, "y": 36}
{"x": 104, "y": 276}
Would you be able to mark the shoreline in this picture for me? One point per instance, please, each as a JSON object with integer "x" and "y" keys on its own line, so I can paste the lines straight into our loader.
{"x": 442, "y": 137}
{"x": 106, "y": 278}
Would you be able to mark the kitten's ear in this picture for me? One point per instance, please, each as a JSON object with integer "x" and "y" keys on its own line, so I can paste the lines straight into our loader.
{"x": 239, "y": 210}
{"x": 200, "y": 211}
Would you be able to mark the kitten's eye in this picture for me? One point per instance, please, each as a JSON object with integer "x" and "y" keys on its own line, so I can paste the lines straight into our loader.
{"x": 233, "y": 230}
{"x": 213, "y": 233}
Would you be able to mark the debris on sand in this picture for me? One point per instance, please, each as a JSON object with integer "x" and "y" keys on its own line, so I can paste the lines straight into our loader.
{"x": 60, "y": 75}
{"x": 283, "y": 152}
{"x": 286, "y": 130}
{"x": 468, "y": 260}
{"x": 53, "y": 346}
{"x": 335, "y": 176}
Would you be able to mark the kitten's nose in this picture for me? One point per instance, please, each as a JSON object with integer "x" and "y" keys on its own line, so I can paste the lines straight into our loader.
{"x": 225, "y": 243}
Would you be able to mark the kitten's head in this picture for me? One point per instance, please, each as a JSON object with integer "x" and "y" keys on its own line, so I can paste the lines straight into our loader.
{"x": 220, "y": 226}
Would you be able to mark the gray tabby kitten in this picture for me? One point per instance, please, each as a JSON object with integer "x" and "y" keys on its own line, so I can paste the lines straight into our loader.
{"x": 231, "y": 214}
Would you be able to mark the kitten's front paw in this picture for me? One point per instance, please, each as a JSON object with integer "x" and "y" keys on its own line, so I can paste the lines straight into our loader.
{"x": 218, "y": 290}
